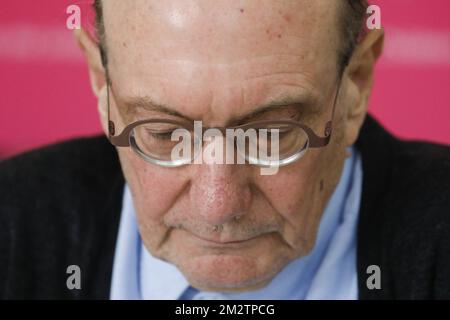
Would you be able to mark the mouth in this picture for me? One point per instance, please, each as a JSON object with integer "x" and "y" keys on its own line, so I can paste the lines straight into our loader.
{"x": 224, "y": 243}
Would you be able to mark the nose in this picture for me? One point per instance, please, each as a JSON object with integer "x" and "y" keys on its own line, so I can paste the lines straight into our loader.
{"x": 220, "y": 193}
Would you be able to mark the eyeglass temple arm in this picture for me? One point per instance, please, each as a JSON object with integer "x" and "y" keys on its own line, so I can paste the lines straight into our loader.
{"x": 111, "y": 129}
{"x": 316, "y": 141}
{"x": 122, "y": 139}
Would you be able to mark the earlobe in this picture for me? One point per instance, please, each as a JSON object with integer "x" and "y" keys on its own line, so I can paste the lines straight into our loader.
{"x": 91, "y": 52}
{"x": 102, "y": 109}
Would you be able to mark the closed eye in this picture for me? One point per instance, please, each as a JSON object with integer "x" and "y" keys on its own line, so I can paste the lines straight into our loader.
{"x": 165, "y": 135}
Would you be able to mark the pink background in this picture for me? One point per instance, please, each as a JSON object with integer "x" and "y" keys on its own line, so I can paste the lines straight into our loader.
{"x": 45, "y": 94}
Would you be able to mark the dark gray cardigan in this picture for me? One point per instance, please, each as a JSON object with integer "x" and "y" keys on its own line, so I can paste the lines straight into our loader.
{"x": 61, "y": 206}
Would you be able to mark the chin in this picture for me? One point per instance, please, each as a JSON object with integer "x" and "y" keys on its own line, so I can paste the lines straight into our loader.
{"x": 229, "y": 272}
{"x": 229, "y": 267}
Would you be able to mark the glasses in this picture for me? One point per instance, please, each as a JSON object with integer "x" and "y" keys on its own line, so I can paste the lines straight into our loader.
{"x": 155, "y": 140}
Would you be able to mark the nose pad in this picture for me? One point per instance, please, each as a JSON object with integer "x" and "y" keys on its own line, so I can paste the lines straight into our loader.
{"x": 220, "y": 193}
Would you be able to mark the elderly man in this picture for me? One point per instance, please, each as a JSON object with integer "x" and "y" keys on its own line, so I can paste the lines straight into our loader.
{"x": 350, "y": 213}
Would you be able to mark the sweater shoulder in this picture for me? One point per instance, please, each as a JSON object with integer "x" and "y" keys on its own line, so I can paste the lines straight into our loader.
{"x": 67, "y": 179}
{"x": 62, "y": 167}
{"x": 404, "y": 222}
{"x": 59, "y": 205}
{"x": 420, "y": 179}
{"x": 418, "y": 224}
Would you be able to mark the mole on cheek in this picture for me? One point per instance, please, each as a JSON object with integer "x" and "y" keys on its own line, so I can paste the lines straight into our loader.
{"x": 287, "y": 17}
{"x": 321, "y": 185}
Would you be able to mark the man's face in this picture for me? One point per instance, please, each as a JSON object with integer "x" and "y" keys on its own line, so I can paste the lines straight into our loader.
{"x": 218, "y": 61}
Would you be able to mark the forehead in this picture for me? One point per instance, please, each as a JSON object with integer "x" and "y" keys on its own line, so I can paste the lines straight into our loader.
{"x": 200, "y": 44}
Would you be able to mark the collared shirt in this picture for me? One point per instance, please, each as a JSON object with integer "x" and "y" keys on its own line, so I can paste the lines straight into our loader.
{"x": 327, "y": 272}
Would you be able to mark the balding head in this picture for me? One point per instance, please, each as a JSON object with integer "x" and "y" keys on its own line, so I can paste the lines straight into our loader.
{"x": 350, "y": 27}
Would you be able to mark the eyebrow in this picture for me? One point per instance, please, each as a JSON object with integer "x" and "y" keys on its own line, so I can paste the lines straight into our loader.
{"x": 299, "y": 102}
{"x": 146, "y": 103}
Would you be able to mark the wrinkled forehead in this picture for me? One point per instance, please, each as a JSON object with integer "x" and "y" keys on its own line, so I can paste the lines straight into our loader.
{"x": 145, "y": 36}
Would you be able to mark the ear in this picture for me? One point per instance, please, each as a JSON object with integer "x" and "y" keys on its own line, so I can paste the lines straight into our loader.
{"x": 91, "y": 52}
{"x": 359, "y": 76}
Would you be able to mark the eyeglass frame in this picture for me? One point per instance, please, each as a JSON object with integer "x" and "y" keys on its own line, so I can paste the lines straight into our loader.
{"x": 314, "y": 141}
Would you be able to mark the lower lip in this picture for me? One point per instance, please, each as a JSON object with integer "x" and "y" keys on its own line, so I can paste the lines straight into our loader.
{"x": 224, "y": 245}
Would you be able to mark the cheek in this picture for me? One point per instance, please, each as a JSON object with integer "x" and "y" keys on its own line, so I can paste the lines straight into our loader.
{"x": 154, "y": 191}
{"x": 297, "y": 192}
{"x": 290, "y": 188}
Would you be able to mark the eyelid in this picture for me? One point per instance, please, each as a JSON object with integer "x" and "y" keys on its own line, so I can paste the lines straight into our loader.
{"x": 298, "y": 108}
